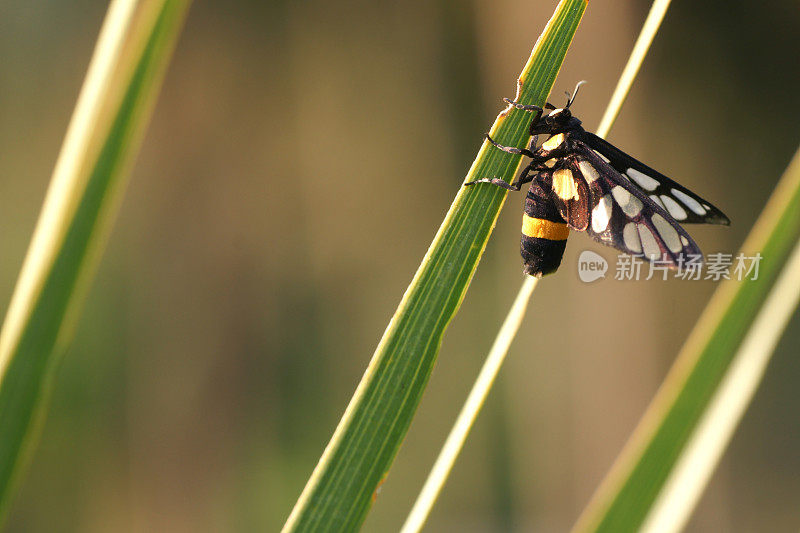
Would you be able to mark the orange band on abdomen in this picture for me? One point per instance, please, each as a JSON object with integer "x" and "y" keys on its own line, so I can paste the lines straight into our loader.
{"x": 544, "y": 229}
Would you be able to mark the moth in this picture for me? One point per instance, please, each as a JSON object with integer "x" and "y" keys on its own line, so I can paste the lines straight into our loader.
{"x": 581, "y": 182}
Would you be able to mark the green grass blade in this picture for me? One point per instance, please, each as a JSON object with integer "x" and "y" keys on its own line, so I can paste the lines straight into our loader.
{"x": 340, "y": 490}
{"x": 687, "y": 480}
{"x": 132, "y": 52}
{"x": 480, "y": 390}
{"x": 625, "y": 498}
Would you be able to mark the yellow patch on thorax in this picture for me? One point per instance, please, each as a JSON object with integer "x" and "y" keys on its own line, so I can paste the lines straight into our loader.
{"x": 553, "y": 142}
{"x": 564, "y": 184}
{"x": 544, "y": 229}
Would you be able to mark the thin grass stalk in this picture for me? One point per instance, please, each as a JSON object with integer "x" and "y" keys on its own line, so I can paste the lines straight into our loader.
{"x": 508, "y": 331}
{"x": 651, "y": 25}
{"x": 466, "y": 418}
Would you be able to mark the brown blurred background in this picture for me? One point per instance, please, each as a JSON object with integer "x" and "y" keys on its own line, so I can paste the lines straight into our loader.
{"x": 301, "y": 157}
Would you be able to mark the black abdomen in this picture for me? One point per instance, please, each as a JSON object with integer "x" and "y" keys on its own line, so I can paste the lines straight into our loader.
{"x": 544, "y": 233}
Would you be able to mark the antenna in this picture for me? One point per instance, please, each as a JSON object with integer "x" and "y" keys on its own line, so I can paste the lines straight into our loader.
{"x": 571, "y": 99}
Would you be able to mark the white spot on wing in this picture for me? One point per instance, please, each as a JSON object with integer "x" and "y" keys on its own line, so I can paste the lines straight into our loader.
{"x": 644, "y": 181}
{"x": 658, "y": 201}
{"x": 674, "y": 208}
{"x": 649, "y": 242}
{"x": 668, "y": 234}
{"x": 690, "y": 202}
{"x": 601, "y": 214}
{"x": 590, "y": 174}
{"x": 553, "y": 142}
{"x": 631, "y": 238}
{"x": 628, "y": 202}
{"x": 684, "y": 241}
{"x": 550, "y": 163}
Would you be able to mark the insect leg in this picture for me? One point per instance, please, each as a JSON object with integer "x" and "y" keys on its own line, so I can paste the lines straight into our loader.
{"x": 510, "y": 149}
{"x": 526, "y": 107}
{"x": 524, "y": 177}
{"x": 530, "y": 107}
{"x": 497, "y": 181}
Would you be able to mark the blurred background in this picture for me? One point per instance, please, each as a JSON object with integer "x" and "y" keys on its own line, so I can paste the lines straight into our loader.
{"x": 300, "y": 159}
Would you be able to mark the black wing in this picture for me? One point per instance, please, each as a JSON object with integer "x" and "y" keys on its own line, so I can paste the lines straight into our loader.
{"x": 684, "y": 205}
{"x": 616, "y": 212}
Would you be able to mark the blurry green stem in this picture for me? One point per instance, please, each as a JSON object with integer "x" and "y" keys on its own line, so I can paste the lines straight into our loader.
{"x": 475, "y": 400}
{"x": 687, "y": 480}
{"x": 640, "y": 49}
{"x": 61, "y": 202}
{"x": 113, "y": 108}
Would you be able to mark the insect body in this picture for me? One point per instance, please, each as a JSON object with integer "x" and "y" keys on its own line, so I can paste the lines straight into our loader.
{"x": 581, "y": 182}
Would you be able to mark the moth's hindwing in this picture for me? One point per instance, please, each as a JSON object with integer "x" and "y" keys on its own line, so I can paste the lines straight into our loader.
{"x": 682, "y": 204}
{"x": 619, "y": 214}
{"x": 572, "y": 194}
